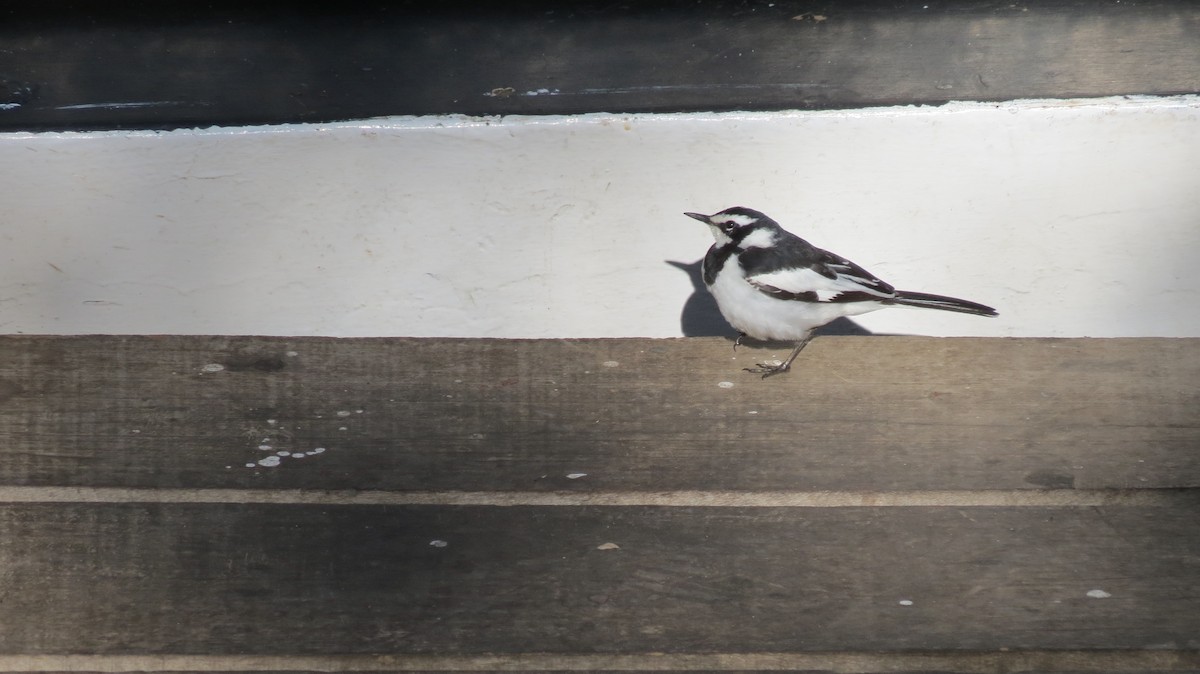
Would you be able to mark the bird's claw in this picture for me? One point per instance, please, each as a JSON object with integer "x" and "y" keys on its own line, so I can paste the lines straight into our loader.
{"x": 766, "y": 369}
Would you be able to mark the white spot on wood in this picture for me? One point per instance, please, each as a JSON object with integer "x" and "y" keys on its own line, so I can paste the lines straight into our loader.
{"x": 251, "y": 465}
{"x": 342, "y": 428}
{"x": 1098, "y": 594}
{"x": 265, "y": 447}
{"x": 269, "y": 461}
{"x": 608, "y": 546}
{"x": 343, "y": 413}
{"x": 611, "y": 363}
{"x": 575, "y": 476}
{"x": 906, "y": 602}
{"x": 725, "y": 384}
{"x": 438, "y": 543}
{"x": 298, "y": 455}
{"x": 212, "y": 367}
{"x": 291, "y": 354}
{"x": 271, "y": 422}
{"x": 283, "y": 453}
{"x": 318, "y": 450}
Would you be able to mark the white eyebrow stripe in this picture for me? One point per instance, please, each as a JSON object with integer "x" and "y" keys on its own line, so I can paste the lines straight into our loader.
{"x": 736, "y": 218}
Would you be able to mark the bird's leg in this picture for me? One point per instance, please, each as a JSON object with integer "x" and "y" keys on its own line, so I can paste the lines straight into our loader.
{"x": 768, "y": 370}
{"x": 738, "y": 342}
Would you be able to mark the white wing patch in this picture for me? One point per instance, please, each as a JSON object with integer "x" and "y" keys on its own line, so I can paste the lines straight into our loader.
{"x": 869, "y": 282}
{"x": 799, "y": 280}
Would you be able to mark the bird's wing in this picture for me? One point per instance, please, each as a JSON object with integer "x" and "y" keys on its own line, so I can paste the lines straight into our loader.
{"x": 829, "y": 278}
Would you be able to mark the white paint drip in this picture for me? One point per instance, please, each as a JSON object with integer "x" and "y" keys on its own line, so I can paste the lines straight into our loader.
{"x": 212, "y": 367}
{"x": 1098, "y": 594}
{"x": 575, "y": 476}
{"x": 725, "y": 384}
{"x": 121, "y": 105}
{"x": 277, "y": 435}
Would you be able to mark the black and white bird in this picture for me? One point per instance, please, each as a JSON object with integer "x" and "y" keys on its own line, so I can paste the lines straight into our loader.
{"x": 770, "y": 284}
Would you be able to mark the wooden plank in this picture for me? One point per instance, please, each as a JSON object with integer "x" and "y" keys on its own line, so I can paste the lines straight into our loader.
{"x": 72, "y": 67}
{"x": 858, "y": 413}
{"x": 268, "y": 580}
{"x": 962, "y": 662}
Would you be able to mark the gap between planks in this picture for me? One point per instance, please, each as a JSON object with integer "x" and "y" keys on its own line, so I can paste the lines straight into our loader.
{"x": 765, "y": 499}
{"x": 850, "y": 663}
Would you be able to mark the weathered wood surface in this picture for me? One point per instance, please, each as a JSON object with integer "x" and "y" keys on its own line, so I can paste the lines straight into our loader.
{"x": 276, "y": 580}
{"x": 141, "y": 530}
{"x": 857, "y": 413}
{"x": 67, "y": 66}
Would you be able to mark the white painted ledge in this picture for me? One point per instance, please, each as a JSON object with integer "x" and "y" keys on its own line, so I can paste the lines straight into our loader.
{"x": 1073, "y": 218}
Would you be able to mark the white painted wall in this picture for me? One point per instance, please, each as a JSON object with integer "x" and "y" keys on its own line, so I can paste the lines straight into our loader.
{"x": 1073, "y": 218}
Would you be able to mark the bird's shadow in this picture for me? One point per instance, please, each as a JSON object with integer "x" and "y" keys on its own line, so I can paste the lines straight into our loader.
{"x": 702, "y": 318}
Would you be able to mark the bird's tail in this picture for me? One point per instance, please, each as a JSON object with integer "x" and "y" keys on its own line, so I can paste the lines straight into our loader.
{"x": 927, "y": 301}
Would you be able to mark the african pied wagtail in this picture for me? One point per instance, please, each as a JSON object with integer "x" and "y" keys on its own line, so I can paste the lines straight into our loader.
{"x": 770, "y": 284}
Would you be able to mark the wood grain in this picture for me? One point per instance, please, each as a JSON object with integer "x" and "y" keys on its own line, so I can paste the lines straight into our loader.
{"x": 893, "y": 504}
{"x": 132, "y": 579}
{"x": 857, "y": 414}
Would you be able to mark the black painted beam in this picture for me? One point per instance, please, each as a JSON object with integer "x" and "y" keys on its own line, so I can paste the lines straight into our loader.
{"x": 169, "y": 65}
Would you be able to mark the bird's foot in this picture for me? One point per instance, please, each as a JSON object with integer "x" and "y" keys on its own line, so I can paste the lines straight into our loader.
{"x": 777, "y": 367}
{"x": 769, "y": 369}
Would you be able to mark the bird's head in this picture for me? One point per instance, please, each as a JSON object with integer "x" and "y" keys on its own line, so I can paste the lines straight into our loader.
{"x": 735, "y": 225}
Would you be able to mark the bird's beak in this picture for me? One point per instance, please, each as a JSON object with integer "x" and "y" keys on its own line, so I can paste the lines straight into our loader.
{"x": 701, "y": 218}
